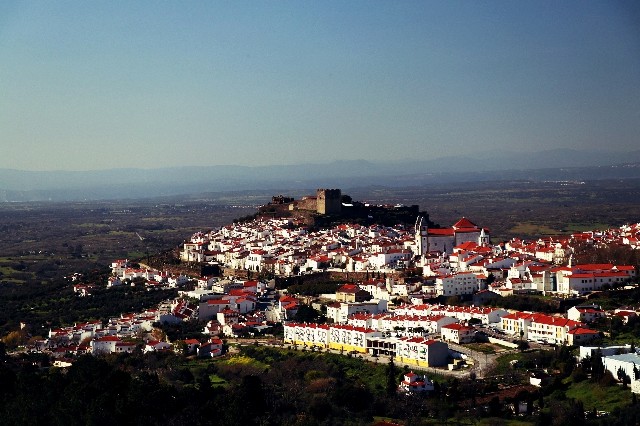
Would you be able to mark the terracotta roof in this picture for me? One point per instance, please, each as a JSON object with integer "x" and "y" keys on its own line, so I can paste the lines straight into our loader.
{"x": 464, "y": 223}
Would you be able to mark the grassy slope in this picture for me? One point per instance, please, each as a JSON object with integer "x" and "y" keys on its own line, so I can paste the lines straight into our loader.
{"x": 603, "y": 399}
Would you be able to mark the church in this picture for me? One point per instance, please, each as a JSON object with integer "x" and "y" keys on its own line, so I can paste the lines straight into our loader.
{"x": 445, "y": 239}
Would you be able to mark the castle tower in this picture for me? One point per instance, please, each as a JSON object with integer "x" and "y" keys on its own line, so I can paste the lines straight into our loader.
{"x": 329, "y": 201}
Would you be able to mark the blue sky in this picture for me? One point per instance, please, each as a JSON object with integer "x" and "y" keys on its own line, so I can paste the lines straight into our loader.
{"x": 98, "y": 85}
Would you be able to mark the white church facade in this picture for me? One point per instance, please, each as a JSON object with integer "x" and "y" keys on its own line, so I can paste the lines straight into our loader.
{"x": 445, "y": 239}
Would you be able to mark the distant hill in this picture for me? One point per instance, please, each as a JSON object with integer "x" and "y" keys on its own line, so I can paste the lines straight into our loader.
{"x": 561, "y": 164}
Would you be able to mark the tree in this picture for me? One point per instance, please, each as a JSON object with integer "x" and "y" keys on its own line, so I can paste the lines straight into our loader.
{"x": 158, "y": 334}
{"x": 14, "y": 339}
{"x": 419, "y": 330}
{"x": 597, "y": 367}
{"x": 306, "y": 313}
{"x": 568, "y": 412}
{"x": 398, "y": 328}
{"x": 490, "y": 279}
{"x": 391, "y": 378}
{"x": 623, "y": 377}
{"x": 453, "y": 300}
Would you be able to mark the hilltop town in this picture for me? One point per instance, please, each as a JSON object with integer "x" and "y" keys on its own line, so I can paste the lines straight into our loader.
{"x": 434, "y": 299}
{"x": 393, "y": 275}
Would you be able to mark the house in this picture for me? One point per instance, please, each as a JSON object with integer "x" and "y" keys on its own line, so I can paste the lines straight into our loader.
{"x": 104, "y": 345}
{"x": 156, "y": 346}
{"x": 461, "y": 313}
{"x": 458, "y": 333}
{"x": 352, "y": 293}
{"x": 285, "y": 309}
{"x": 585, "y": 313}
{"x": 125, "y": 347}
{"x": 192, "y": 345}
{"x": 211, "y": 349}
{"x": 624, "y": 315}
{"x": 209, "y": 309}
{"x": 414, "y": 383}
{"x": 581, "y": 336}
{"x": 212, "y": 328}
{"x": 543, "y": 328}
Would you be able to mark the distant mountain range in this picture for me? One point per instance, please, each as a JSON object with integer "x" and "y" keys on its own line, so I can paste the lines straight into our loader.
{"x": 560, "y": 164}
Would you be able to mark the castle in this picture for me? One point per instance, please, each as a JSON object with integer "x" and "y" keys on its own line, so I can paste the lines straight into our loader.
{"x": 330, "y": 206}
{"x": 326, "y": 201}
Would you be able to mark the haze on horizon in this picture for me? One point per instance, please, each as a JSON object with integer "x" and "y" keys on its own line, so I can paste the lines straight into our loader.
{"x": 112, "y": 84}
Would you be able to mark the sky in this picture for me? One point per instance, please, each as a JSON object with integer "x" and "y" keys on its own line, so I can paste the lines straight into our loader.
{"x": 116, "y": 84}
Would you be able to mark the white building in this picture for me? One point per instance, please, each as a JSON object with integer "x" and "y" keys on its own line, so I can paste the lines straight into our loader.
{"x": 626, "y": 362}
{"x": 581, "y": 279}
{"x": 457, "y": 284}
{"x": 415, "y": 383}
{"x": 458, "y": 333}
{"x": 416, "y": 351}
{"x": 339, "y": 312}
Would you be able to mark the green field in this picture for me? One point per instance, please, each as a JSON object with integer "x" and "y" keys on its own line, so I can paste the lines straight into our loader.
{"x": 529, "y": 228}
{"x": 582, "y": 227}
{"x": 602, "y": 399}
{"x": 485, "y": 348}
{"x": 503, "y": 365}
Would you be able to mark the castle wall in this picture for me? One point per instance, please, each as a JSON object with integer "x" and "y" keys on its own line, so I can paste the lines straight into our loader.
{"x": 308, "y": 203}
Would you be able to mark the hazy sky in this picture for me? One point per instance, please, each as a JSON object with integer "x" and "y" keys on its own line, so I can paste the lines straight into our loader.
{"x": 107, "y": 84}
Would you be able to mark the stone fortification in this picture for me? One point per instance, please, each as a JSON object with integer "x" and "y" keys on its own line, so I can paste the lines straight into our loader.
{"x": 329, "y": 201}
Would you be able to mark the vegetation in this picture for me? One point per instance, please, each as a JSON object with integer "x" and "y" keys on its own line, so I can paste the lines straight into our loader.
{"x": 261, "y": 386}
{"x": 601, "y": 398}
{"x": 54, "y": 304}
{"x": 271, "y": 386}
{"x": 527, "y": 303}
